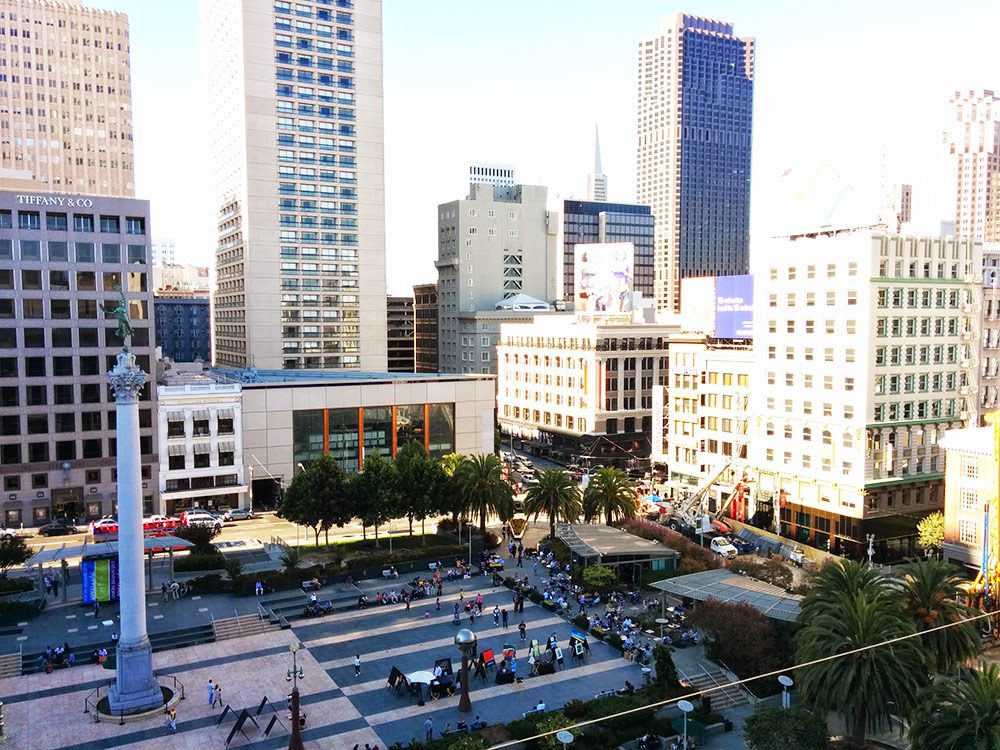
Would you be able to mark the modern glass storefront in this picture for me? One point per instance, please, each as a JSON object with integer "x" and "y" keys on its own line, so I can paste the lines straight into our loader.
{"x": 384, "y": 429}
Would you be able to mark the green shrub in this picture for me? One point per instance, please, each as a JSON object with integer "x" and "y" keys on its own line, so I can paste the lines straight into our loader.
{"x": 581, "y": 621}
{"x": 598, "y": 632}
{"x": 666, "y": 671}
{"x": 234, "y": 568}
{"x": 209, "y": 584}
{"x": 774, "y": 572}
{"x": 12, "y": 611}
{"x": 575, "y": 710}
{"x": 195, "y": 561}
{"x": 615, "y": 641}
{"x": 291, "y": 557}
{"x": 508, "y": 582}
{"x": 200, "y": 536}
{"x": 447, "y": 524}
{"x": 535, "y": 596}
{"x": 15, "y": 585}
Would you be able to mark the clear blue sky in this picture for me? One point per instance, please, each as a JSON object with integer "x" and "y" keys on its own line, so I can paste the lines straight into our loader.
{"x": 525, "y": 81}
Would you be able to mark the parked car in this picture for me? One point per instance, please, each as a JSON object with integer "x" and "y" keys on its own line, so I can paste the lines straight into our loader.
{"x": 58, "y": 528}
{"x": 721, "y": 546}
{"x": 238, "y": 514}
{"x": 103, "y": 525}
{"x": 200, "y": 518}
{"x": 8, "y": 533}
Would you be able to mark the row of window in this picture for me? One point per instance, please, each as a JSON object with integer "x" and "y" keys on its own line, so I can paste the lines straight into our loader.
{"x": 851, "y": 297}
{"x": 59, "y": 252}
{"x": 59, "y": 222}
{"x": 792, "y": 272}
{"x": 539, "y": 417}
{"x": 67, "y": 450}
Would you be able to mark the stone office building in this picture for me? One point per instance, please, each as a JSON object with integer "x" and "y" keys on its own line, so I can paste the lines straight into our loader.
{"x": 63, "y": 259}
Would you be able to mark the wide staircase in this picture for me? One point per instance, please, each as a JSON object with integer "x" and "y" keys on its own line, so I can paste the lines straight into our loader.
{"x": 237, "y": 627}
{"x": 10, "y": 665}
{"x": 711, "y": 679}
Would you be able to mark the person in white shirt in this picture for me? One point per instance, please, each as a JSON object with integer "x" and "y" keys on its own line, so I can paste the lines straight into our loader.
{"x": 540, "y": 706}
{"x": 437, "y": 671}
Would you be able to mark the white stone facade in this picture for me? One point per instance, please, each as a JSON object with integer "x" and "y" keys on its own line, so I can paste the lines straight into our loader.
{"x": 865, "y": 354}
{"x": 200, "y": 425}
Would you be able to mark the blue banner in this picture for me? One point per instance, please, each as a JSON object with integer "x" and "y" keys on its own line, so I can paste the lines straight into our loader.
{"x": 89, "y": 584}
{"x": 734, "y": 307}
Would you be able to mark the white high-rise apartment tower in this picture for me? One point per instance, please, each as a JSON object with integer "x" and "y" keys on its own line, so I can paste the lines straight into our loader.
{"x": 974, "y": 142}
{"x": 295, "y": 100}
{"x": 67, "y": 98}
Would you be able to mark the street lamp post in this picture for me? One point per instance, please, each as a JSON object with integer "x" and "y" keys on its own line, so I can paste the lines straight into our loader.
{"x": 294, "y": 675}
{"x": 786, "y": 682}
{"x": 465, "y": 639}
{"x": 871, "y": 550}
{"x": 250, "y": 489}
{"x": 686, "y": 707}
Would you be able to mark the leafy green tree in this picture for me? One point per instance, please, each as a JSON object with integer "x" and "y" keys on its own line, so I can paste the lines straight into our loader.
{"x": 598, "y": 579}
{"x": 959, "y": 713}
{"x": 609, "y": 494}
{"x": 302, "y": 505}
{"x": 930, "y": 594}
{"x": 556, "y": 495}
{"x": 377, "y": 488}
{"x": 484, "y": 490}
{"x": 328, "y": 482}
{"x": 421, "y": 481}
{"x": 233, "y": 568}
{"x": 930, "y": 533}
{"x": 13, "y": 551}
{"x": 290, "y": 558}
{"x": 666, "y": 670}
{"x": 770, "y": 728}
{"x": 849, "y": 612}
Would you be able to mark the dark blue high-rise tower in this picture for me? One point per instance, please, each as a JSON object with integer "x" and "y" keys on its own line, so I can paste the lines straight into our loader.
{"x": 694, "y": 143}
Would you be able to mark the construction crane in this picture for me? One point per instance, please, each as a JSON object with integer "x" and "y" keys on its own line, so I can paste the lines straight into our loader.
{"x": 688, "y": 513}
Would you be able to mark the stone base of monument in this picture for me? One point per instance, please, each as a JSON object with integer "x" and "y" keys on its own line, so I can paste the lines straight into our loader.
{"x": 102, "y": 710}
{"x": 135, "y": 689}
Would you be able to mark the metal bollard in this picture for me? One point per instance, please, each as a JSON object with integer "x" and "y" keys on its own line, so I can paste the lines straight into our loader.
{"x": 2, "y": 722}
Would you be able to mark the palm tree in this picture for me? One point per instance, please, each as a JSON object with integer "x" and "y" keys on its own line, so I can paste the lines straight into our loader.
{"x": 451, "y": 503}
{"x": 848, "y": 611}
{"x": 959, "y": 713}
{"x": 556, "y": 495}
{"x": 484, "y": 489}
{"x": 930, "y": 592}
{"x": 609, "y": 494}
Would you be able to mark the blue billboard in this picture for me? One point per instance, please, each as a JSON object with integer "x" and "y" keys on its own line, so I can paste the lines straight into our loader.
{"x": 734, "y": 307}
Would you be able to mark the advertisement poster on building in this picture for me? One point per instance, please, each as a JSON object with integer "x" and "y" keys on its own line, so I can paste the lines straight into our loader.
{"x": 603, "y": 277}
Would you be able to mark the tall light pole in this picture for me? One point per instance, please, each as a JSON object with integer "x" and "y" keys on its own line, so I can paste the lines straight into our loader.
{"x": 465, "y": 639}
{"x": 293, "y": 676}
{"x": 871, "y": 550}
{"x": 786, "y": 682}
{"x": 250, "y": 489}
{"x": 686, "y": 707}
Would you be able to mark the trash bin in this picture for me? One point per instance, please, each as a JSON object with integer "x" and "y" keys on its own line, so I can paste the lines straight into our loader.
{"x": 727, "y": 725}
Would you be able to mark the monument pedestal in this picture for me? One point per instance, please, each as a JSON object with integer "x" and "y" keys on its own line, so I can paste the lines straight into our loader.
{"x": 135, "y": 688}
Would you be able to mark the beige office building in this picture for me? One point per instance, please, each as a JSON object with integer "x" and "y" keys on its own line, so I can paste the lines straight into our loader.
{"x": 66, "y": 98}
{"x": 294, "y": 96}
{"x": 974, "y": 142}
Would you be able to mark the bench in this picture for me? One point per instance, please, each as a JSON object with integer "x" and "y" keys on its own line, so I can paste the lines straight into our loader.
{"x": 532, "y": 712}
{"x": 311, "y": 585}
{"x": 390, "y": 574}
{"x": 430, "y": 566}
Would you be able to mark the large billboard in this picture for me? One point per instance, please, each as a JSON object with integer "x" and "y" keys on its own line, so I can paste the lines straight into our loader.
{"x": 603, "y": 277}
{"x": 734, "y": 307}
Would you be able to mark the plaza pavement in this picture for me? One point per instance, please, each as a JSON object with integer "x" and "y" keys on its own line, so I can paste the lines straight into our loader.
{"x": 46, "y": 711}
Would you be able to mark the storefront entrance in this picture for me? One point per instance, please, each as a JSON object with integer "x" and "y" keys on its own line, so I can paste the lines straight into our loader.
{"x": 67, "y": 502}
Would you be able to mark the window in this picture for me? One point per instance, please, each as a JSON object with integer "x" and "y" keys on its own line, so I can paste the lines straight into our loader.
{"x": 110, "y": 225}
{"x": 111, "y": 252}
{"x": 968, "y": 532}
{"x": 56, "y": 222}
{"x": 31, "y": 250}
{"x": 29, "y": 220}
{"x": 135, "y": 225}
{"x": 970, "y": 468}
{"x": 85, "y": 252}
{"x": 83, "y": 223}
{"x": 969, "y": 499}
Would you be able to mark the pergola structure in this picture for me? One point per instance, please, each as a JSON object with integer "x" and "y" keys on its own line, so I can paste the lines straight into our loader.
{"x": 592, "y": 544}
{"x": 60, "y": 552}
{"x": 733, "y": 588}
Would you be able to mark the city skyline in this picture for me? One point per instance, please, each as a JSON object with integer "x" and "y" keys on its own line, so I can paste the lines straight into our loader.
{"x": 829, "y": 91}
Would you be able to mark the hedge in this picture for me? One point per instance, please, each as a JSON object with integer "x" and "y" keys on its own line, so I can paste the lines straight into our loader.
{"x": 196, "y": 562}
{"x": 15, "y": 585}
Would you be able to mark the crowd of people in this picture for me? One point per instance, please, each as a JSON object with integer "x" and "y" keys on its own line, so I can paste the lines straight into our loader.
{"x": 57, "y": 657}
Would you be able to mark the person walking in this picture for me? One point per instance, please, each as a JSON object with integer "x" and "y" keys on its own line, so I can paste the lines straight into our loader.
{"x": 429, "y": 728}
{"x": 496, "y": 614}
{"x": 522, "y": 630}
{"x": 357, "y": 665}
{"x": 48, "y": 584}
{"x": 503, "y": 616}
{"x": 172, "y": 720}
{"x": 164, "y": 591}
{"x": 211, "y": 693}
{"x": 218, "y": 695}
{"x": 55, "y": 586}
{"x": 520, "y": 559}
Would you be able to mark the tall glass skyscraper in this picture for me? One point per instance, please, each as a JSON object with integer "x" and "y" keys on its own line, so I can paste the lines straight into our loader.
{"x": 695, "y": 117}
{"x": 295, "y": 100}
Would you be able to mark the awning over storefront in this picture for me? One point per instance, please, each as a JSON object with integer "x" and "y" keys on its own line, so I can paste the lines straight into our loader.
{"x": 176, "y": 450}
{"x": 201, "y": 448}
{"x": 225, "y": 414}
{"x": 200, "y": 414}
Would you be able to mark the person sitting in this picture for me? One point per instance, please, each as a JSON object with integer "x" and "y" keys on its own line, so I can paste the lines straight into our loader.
{"x": 259, "y": 588}
{"x": 540, "y": 706}
{"x": 629, "y": 689}
{"x": 437, "y": 671}
{"x": 478, "y": 723}
{"x": 312, "y": 598}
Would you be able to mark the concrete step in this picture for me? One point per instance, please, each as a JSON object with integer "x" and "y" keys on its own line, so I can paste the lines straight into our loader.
{"x": 729, "y": 697}
{"x": 10, "y": 665}
{"x": 249, "y": 625}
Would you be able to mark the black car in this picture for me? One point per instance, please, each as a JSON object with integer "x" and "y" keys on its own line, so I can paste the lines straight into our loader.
{"x": 58, "y": 529}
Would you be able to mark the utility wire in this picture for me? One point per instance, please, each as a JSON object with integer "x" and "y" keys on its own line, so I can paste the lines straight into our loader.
{"x": 737, "y": 683}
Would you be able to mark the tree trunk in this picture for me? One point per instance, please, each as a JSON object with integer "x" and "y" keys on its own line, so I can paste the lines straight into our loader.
{"x": 859, "y": 731}
{"x": 409, "y": 517}
{"x": 364, "y": 532}
{"x": 376, "y": 535}
{"x": 326, "y": 534}
{"x": 316, "y": 535}
{"x": 552, "y": 527}
{"x": 482, "y": 524}
{"x": 423, "y": 532}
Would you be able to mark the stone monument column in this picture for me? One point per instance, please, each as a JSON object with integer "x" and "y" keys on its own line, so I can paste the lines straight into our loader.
{"x": 135, "y": 688}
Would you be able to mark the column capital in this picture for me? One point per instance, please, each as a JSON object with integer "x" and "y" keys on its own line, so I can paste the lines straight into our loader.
{"x": 126, "y": 379}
